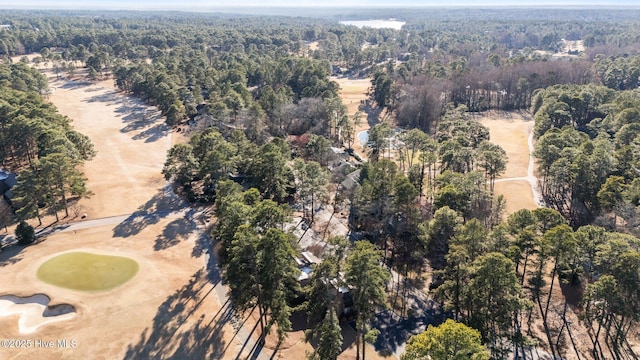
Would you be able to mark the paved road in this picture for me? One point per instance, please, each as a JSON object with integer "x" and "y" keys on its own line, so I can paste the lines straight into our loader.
{"x": 243, "y": 334}
{"x": 87, "y": 224}
{"x": 83, "y": 224}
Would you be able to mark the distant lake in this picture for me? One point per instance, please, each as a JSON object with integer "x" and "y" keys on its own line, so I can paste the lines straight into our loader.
{"x": 376, "y": 24}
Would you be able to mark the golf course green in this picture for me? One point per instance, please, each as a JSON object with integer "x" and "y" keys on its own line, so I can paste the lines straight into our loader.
{"x": 87, "y": 271}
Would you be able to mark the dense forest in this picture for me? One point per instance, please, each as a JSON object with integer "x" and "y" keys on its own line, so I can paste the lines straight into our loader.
{"x": 266, "y": 115}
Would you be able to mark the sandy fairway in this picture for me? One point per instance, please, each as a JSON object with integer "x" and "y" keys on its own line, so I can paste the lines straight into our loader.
{"x": 512, "y": 131}
{"x": 518, "y": 195}
{"x": 163, "y": 308}
{"x": 352, "y": 92}
{"x": 131, "y": 140}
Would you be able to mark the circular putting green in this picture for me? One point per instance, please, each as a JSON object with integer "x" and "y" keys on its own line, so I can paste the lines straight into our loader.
{"x": 86, "y": 271}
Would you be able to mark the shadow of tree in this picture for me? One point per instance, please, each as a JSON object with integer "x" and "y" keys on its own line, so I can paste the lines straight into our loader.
{"x": 109, "y": 97}
{"x": 142, "y": 117}
{"x": 137, "y": 119}
{"x": 348, "y": 336}
{"x": 214, "y": 271}
{"x": 50, "y": 229}
{"x": 396, "y": 330}
{"x": 180, "y": 230}
{"x": 158, "y": 207}
{"x": 134, "y": 110}
{"x": 93, "y": 89}
{"x": 373, "y": 114}
{"x": 74, "y": 84}
{"x": 135, "y": 223}
{"x": 10, "y": 254}
{"x": 175, "y": 232}
{"x": 131, "y": 106}
{"x": 153, "y": 134}
{"x": 10, "y": 249}
{"x": 204, "y": 341}
{"x": 298, "y": 320}
{"x": 170, "y": 338}
{"x": 256, "y": 349}
{"x": 202, "y": 245}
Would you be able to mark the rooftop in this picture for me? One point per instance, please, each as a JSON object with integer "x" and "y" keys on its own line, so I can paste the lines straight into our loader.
{"x": 8, "y": 177}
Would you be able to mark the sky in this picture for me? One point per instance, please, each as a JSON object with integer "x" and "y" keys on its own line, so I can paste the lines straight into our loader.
{"x": 213, "y": 4}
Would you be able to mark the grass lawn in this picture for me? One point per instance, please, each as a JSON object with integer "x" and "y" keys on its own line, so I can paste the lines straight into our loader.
{"x": 87, "y": 272}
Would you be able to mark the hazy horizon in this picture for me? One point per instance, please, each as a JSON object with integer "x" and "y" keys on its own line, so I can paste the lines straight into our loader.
{"x": 217, "y": 4}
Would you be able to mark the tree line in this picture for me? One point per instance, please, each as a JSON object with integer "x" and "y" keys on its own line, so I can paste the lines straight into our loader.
{"x": 585, "y": 153}
{"x": 39, "y": 145}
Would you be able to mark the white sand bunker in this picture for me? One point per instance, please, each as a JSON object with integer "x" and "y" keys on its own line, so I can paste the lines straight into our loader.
{"x": 34, "y": 311}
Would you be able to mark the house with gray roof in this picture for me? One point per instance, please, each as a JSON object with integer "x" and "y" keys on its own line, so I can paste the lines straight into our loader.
{"x": 7, "y": 181}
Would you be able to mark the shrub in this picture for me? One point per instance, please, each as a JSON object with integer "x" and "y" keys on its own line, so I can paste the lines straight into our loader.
{"x": 25, "y": 233}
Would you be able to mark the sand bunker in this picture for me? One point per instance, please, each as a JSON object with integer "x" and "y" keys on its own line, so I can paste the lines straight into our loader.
{"x": 34, "y": 311}
{"x": 87, "y": 272}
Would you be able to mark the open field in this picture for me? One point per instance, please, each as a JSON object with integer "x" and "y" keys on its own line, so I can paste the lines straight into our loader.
{"x": 167, "y": 306}
{"x": 510, "y": 130}
{"x": 353, "y": 91}
{"x": 314, "y": 45}
{"x": 572, "y": 45}
{"x": 130, "y": 137}
{"x": 567, "y": 46}
{"x": 518, "y": 195}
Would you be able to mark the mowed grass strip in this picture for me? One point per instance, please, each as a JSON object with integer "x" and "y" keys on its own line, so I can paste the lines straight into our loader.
{"x": 87, "y": 272}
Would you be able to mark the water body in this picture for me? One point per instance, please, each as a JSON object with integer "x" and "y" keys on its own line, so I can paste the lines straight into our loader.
{"x": 363, "y": 136}
{"x": 376, "y": 24}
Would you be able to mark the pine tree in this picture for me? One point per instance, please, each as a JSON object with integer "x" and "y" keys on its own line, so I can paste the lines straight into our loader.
{"x": 367, "y": 280}
{"x": 321, "y": 311}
